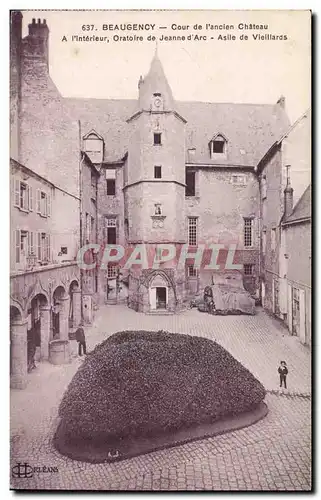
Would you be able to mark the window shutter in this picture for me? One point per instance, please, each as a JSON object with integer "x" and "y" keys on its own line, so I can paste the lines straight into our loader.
{"x": 48, "y": 249}
{"x": 48, "y": 205}
{"x": 30, "y": 189}
{"x": 302, "y": 316}
{"x": 39, "y": 246}
{"x": 38, "y": 201}
{"x": 17, "y": 193}
{"x": 17, "y": 245}
{"x": 31, "y": 243}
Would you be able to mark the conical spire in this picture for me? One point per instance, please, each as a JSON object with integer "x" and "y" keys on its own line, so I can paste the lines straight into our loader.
{"x": 155, "y": 82}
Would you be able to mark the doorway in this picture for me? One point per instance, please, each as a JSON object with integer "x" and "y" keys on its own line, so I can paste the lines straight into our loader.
{"x": 161, "y": 296}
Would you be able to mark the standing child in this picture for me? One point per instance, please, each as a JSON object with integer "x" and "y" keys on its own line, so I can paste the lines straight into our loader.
{"x": 283, "y": 371}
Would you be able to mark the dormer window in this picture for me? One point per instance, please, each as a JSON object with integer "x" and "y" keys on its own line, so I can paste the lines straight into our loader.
{"x": 218, "y": 145}
{"x": 94, "y": 146}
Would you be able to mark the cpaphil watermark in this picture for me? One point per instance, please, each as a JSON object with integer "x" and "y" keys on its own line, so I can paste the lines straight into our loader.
{"x": 213, "y": 256}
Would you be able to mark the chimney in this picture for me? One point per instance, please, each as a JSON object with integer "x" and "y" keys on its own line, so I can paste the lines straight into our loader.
{"x": 36, "y": 43}
{"x": 281, "y": 101}
{"x": 288, "y": 195}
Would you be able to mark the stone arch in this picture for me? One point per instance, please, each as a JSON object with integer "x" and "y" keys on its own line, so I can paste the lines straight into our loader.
{"x": 162, "y": 274}
{"x": 16, "y": 311}
{"x": 15, "y": 314}
{"x": 161, "y": 293}
{"x": 74, "y": 283}
{"x": 18, "y": 348}
{"x": 38, "y": 291}
{"x": 59, "y": 292}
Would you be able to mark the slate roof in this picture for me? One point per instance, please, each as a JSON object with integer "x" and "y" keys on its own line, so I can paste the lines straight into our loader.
{"x": 250, "y": 129}
{"x": 302, "y": 209}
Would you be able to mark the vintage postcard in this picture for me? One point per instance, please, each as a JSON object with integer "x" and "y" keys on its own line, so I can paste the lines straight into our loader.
{"x": 160, "y": 249}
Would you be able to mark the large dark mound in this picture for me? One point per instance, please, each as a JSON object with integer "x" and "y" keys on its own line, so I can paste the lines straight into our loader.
{"x": 138, "y": 385}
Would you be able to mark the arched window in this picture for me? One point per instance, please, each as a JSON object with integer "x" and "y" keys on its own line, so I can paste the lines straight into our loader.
{"x": 94, "y": 146}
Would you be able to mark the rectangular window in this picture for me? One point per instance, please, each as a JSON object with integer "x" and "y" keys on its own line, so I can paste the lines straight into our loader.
{"x": 191, "y": 272}
{"x": 273, "y": 238}
{"x": 239, "y": 180}
{"x": 263, "y": 242}
{"x": 248, "y": 229}
{"x": 190, "y": 183}
{"x": 111, "y": 231}
{"x": 248, "y": 269}
{"x": 192, "y": 231}
{"x": 112, "y": 271}
{"x": 157, "y": 172}
{"x": 218, "y": 146}
{"x": 31, "y": 243}
{"x": 24, "y": 196}
{"x": 157, "y": 139}
{"x": 111, "y": 187}
{"x": 24, "y": 242}
{"x": 43, "y": 203}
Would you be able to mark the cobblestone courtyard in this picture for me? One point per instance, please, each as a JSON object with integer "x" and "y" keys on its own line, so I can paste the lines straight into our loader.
{"x": 274, "y": 454}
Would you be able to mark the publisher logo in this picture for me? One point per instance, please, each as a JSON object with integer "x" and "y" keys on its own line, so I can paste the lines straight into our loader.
{"x": 25, "y": 470}
{"x": 22, "y": 470}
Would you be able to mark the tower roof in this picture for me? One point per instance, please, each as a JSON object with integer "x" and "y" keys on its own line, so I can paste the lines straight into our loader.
{"x": 155, "y": 82}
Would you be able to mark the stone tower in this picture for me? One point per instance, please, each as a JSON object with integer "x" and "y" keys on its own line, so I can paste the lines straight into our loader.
{"x": 155, "y": 189}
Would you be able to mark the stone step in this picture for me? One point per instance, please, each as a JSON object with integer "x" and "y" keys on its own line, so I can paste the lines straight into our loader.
{"x": 289, "y": 393}
{"x": 160, "y": 312}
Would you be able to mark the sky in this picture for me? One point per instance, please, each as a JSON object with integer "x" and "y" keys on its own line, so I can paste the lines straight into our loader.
{"x": 253, "y": 71}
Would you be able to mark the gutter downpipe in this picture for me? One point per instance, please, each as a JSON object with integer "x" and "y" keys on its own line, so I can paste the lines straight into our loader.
{"x": 81, "y": 159}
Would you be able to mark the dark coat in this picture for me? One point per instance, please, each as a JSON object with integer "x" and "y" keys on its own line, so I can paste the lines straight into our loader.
{"x": 80, "y": 335}
{"x": 283, "y": 371}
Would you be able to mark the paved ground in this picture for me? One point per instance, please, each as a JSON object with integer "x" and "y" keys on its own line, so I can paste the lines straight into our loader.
{"x": 273, "y": 454}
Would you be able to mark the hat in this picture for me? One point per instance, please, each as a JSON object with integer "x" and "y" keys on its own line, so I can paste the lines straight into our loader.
{"x": 283, "y": 362}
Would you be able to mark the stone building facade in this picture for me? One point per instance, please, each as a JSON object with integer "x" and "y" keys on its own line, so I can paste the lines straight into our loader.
{"x": 284, "y": 174}
{"x": 295, "y": 262}
{"x": 149, "y": 171}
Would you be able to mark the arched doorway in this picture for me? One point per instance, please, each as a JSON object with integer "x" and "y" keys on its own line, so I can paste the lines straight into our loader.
{"x": 158, "y": 293}
{"x": 18, "y": 349}
{"x": 60, "y": 313}
{"x": 161, "y": 293}
{"x": 37, "y": 330}
{"x": 74, "y": 305}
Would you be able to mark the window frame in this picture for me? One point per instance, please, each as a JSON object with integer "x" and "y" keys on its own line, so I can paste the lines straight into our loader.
{"x": 248, "y": 238}
{"x": 192, "y": 227}
{"x": 187, "y": 188}
{"x": 113, "y": 266}
{"x": 250, "y": 267}
{"x": 191, "y": 272}
{"x": 158, "y": 171}
{"x": 113, "y": 183}
{"x": 159, "y": 136}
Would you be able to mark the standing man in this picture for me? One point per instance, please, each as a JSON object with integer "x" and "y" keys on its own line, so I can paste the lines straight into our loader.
{"x": 81, "y": 339}
{"x": 283, "y": 371}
